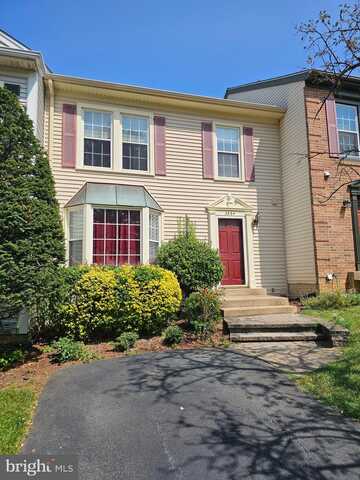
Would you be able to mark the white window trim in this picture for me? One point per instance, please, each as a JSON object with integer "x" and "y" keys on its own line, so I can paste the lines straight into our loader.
{"x": 116, "y": 139}
{"x": 357, "y": 132}
{"x": 67, "y": 232}
{"x": 158, "y": 214}
{"x": 88, "y": 230}
{"x": 241, "y": 178}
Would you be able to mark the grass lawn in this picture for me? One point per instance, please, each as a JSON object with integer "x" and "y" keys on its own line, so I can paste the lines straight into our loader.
{"x": 338, "y": 384}
{"x": 16, "y": 406}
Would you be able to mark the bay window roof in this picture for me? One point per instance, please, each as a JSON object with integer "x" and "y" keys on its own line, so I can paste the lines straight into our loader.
{"x": 113, "y": 195}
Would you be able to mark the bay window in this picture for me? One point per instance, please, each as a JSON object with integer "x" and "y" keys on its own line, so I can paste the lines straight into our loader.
{"x": 228, "y": 151}
{"x": 112, "y": 224}
{"x": 97, "y": 138}
{"x": 135, "y": 143}
{"x": 348, "y": 128}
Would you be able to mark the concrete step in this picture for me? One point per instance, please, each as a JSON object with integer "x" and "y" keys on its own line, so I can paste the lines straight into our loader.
{"x": 272, "y": 328}
{"x": 237, "y": 291}
{"x": 309, "y": 336}
{"x": 257, "y": 310}
{"x": 253, "y": 301}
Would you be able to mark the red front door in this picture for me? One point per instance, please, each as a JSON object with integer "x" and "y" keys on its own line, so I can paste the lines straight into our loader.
{"x": 231, "y": 249}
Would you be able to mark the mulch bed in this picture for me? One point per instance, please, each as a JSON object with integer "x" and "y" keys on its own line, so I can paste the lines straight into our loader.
{"x": 39, "y": 365}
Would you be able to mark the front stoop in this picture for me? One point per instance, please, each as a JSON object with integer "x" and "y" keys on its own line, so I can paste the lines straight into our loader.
{"x": 240, "y": 301}
{"x": 284, "y": 328}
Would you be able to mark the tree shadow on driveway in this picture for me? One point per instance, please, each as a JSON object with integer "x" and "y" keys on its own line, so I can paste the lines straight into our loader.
{"x": 209, "y": 414}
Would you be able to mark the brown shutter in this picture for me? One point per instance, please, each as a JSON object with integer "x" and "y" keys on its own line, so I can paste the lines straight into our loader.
{"x": 160, "y": 149}
{"x": 249, "y": 154}
{"x": 207, "y": 150}
{"x": 333, "y": 138}
{"x": 69, "y": 136}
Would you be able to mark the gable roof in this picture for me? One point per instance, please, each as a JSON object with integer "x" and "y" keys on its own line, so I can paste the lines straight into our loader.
{"x": 7, "y": 40}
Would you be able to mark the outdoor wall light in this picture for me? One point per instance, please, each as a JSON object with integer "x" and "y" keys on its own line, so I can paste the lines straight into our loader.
{"x": 327, "y": 174}
{"x": 346, "y": 203}
{"x": 255, "y": 222}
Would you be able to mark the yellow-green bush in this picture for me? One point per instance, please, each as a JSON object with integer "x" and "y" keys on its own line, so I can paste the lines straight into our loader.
{"x": 105, "y": 301}
{"x": 93, "y": 304}
{"x": 148, "y": 297}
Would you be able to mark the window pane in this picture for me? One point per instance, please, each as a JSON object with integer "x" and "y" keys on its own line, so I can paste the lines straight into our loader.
{"x": 154, "y": 228}
{"x": 228, "y": 165}
{"x": 153, "y": 249}
{"x": 123, "y": 216}
{"x": 99, "y": 215}
{"x": 98, "y": 247}
{"x": 135, "y": 156}
{"x": 76, "y": 224}
{"x": 75, "y": 252}
{"x": 346, "y": 117}
{"x": 111, "y": 216}
{"x": 97, "y": 153}
{"x": 135, "y": 217}
{"x": 348, "y": 143}
{"x": 228, "y": 139}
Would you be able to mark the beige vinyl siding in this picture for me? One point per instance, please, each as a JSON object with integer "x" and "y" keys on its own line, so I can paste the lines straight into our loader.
{"x": 295, "y": 178}
{"x": 184, "y": 191}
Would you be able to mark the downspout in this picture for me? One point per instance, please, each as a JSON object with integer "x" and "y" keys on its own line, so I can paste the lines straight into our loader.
{"x": 51, "y": 118}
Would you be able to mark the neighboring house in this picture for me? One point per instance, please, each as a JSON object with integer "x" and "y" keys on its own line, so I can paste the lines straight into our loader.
{"x": 22, "y": 71}
{"x": 321, "y": 233}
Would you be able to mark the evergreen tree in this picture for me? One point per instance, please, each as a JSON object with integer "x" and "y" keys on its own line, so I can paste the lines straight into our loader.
{"x": 31, "y": 235}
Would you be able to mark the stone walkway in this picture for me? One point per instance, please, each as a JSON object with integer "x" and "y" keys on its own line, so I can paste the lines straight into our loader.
{"x": 296, "y": 357}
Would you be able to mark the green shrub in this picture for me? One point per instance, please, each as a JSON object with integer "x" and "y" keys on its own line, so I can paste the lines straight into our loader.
{"x": 11, "y": 358}
{"x": 202, "y": 309}
{"x": 125, "y": 341}
{"x": 91, "y": 310}
{"x": 148, "y": 297}
{"x": 173, "y": 335}
{"x": 31, "y": 235}
{"x": 195, "y": 264}
{"x": 49, "y": 313}
{"x": 67, "y": 350}
{"x": 330, "y": 300}
{"x": 99, "y": 301}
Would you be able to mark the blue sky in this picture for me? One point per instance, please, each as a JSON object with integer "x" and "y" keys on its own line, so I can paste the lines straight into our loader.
{"x": 195, "y": 46}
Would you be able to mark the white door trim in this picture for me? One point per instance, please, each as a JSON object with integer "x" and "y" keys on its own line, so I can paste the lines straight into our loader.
{"x": 231, "y": 208}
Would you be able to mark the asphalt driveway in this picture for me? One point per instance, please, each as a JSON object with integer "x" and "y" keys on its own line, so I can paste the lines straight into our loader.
{"x": 186, "y": 415}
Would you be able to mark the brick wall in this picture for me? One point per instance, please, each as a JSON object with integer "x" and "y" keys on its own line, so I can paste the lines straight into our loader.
{"x": 334, "y": 244}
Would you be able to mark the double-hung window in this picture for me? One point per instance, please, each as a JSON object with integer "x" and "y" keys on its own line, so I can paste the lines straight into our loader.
{"x": 228, "y": 151}
{"x": 348, "y": 128}
{"x": 135, "y": 143}
{"x": 154, "y": 235}
{"x": 97, "y": 138}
